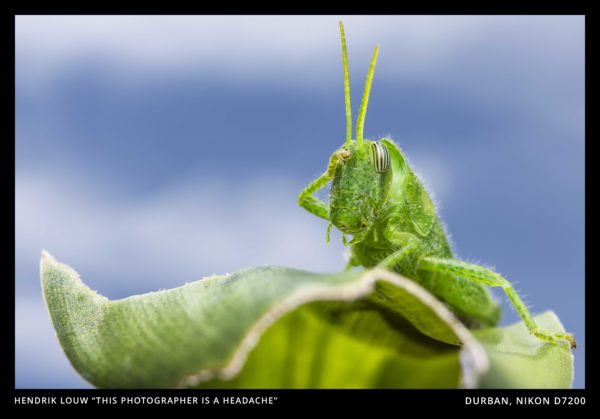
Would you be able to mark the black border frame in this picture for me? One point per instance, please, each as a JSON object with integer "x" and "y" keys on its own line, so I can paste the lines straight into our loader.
{"x": 299, "y": 400}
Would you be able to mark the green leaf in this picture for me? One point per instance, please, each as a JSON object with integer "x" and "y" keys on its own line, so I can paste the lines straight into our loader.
{"x": 519, "y": 360}
{"x": 274, "y": 327}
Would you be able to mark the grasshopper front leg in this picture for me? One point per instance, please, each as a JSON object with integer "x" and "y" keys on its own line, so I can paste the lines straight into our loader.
{"x": 309, "y": 202}
{"x": 407, "y": 244}
{"x": 490, "y": 278}
{"x": 352, "y": 261}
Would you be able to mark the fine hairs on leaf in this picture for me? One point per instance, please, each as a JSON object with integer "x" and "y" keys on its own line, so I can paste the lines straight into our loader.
{"x": 274, "y": 327}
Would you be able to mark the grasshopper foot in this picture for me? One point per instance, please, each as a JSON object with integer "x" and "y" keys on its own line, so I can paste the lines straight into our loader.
{"x": 554, "y": 338}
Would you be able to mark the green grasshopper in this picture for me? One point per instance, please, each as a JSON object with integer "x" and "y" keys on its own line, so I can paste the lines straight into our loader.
{"x": 378, "y": 199}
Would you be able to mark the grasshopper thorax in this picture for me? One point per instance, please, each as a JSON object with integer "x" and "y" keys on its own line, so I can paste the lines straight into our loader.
{"x": 360, "y": 187}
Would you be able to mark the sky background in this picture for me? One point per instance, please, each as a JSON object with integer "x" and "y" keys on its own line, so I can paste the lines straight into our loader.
{"x": 152, "y": 151}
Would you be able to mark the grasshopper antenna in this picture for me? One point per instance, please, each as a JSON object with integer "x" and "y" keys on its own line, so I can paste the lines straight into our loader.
{"x": 346, "y": 88}
{"x": 360, "y": 123}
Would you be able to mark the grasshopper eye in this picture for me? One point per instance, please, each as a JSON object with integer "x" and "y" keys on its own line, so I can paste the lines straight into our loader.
{"x": 381, "y": 157}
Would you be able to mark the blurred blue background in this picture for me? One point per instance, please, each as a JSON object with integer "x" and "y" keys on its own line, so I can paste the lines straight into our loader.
{"x": 152, "y": 151}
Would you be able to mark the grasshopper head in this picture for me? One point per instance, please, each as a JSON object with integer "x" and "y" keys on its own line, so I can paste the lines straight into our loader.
{"x": 360, "y": 187}
{"x": 362, "y": 179}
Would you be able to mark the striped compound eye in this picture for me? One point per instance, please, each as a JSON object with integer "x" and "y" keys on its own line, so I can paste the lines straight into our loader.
{"x": 381, "y": 157}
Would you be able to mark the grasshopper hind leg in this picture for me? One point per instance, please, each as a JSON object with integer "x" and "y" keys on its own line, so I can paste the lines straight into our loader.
{"x": 490, "y": 278}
